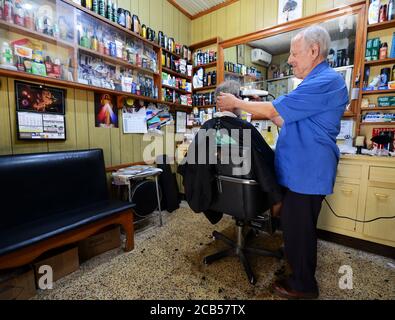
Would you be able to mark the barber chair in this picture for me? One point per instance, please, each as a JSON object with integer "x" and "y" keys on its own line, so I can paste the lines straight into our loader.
{"x": 241, "y": 197}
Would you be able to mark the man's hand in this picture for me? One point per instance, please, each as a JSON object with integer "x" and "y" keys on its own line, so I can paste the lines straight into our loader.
{"x": 227, "y": 102}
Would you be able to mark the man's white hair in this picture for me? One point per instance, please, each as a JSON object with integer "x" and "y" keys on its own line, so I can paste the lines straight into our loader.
{"x": 316, "y": 35}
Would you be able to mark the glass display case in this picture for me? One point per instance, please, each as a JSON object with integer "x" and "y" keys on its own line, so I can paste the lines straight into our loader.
{"x": 60, "y": 42}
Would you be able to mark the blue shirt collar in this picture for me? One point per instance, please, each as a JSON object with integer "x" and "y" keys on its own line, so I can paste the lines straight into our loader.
{"x": 318, "y": 68}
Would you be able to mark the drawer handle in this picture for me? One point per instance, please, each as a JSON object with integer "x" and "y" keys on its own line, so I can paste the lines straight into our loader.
{"x": 347, "y": 191}
{"x": 382, "y": 196}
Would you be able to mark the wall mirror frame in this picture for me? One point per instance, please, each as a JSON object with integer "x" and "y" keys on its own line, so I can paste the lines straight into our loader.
{"x": 357, "y": 9}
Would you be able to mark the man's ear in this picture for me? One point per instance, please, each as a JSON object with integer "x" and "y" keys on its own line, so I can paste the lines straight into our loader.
{"x": 315, "y": 51}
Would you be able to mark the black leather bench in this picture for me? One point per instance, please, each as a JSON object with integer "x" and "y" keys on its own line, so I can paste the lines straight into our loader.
{"x": 52, "y": 199}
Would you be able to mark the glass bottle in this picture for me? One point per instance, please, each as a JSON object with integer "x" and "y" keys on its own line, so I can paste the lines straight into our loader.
{"x": 102, "y": 7}
{"x": 269, "y": 136}
{"x": 95, "y": 6}
{"x": 95, "y": 42}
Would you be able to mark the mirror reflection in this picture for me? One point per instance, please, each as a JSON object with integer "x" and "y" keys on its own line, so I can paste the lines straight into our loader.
{"x": 263, "y": 64}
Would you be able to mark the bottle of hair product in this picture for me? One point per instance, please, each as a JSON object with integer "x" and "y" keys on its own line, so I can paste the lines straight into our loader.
{"x": 391, "y": 10}
{"x": 374, "y": 12}
{"x": 383, "y": 51}
{"x": 269, "y": 136}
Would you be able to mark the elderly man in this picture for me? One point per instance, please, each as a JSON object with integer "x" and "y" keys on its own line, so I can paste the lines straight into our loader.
{"x": 306, "y": 152}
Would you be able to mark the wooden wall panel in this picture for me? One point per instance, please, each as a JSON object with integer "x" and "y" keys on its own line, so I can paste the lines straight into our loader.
{"x": 259, "y": 14}
{"x": 270, "y": 10}
{"x": 233, "y": 20}
{"x": 144, "y": 11}
{"x": 167, "y": 18}
{"x": 221, "y": 23}
{"x": 156, "y": 16}
{"x": 81, "y": 119}
{"x": 5, "y": 130}
{"x": 309, "y": 7}
{"x": 206, "y": 27}
{"x": 214, "y": 28}
{"x": 324, "y": 5}
{"x": 176, "y": 26}
{"x": 134, "y": 7}
{"x": 247, "y": 16}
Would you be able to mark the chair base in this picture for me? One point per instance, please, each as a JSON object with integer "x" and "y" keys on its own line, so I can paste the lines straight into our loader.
{"x": 238, "y": 248}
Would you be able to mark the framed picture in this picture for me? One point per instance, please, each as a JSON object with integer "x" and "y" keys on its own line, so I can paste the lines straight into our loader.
{"x": 181, "y": 122}
{"x": 289, "y": 10}
{"x": 37, "y": 98}
{"x": 106, "y": 111}
{"x": 40, "y": 112}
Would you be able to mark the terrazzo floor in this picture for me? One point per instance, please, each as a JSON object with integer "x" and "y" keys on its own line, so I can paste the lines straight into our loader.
{"x": 167, "y": 264}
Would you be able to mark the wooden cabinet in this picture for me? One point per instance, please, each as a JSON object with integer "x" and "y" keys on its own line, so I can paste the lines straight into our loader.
{"x": 380, "y": 202}
{"x": 364, "y": 191}
{"x": 344, "y": 202}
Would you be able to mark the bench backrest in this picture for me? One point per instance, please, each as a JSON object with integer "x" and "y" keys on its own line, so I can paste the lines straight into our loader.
{"x": 33, "y": 186}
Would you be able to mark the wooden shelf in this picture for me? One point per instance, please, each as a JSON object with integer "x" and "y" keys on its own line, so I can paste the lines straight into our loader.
{"x": 176, "y": 89}
{"x": 206, "y": 66}
{"x": 380, "y": 62}
{"x": 381, "y": 26}
{"x": 377, "y": 109}
{"x": 173, "y": 54}
{"x": 348, "y": 114}
{"x": 69, "y": 84}
{"x": 377, "y": 123}
{"x": 372, "y": 92}
{"x": 117, "y": 61}
{"x": 176, "y": 74}
{"x": 205, "y": 88}
{"x": 36, "y": 35}
{"x": 177, "y": 105}
{"x": 115, "y": 25}
{"x": 204, "y": 43}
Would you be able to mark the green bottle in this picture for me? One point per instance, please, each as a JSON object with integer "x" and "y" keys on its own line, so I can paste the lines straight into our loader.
{"x": 95, "y": 6}
{"x": 102, "y": 7}
{"x": 109, "y": 10}
{"x": 115, "y": 11}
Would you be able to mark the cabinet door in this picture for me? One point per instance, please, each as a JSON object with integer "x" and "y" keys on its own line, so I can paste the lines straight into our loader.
{"x": 344, "y": 202}
{"x": 380, "y": 203}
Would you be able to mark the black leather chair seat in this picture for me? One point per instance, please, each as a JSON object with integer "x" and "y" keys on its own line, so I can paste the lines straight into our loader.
{"x": 25, "y": 234}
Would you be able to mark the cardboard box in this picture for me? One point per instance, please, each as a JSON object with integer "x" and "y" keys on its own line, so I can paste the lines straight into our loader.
{"x": 99, "y": 243}
{"x": 17, "y": 285}
{"x": 63, "y": 262}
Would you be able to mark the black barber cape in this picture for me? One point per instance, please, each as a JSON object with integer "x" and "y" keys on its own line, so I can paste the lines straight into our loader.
{"x": 199, "y": 179}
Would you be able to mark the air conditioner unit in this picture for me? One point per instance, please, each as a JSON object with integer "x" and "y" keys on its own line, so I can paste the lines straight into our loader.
{"x": 261, "y": 57}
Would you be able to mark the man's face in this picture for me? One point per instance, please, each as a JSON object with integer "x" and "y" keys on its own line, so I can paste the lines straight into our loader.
{"x": 302, "y": 57}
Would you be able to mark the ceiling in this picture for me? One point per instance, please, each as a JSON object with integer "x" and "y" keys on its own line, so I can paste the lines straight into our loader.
{"x": 196, "y": 8}
{"x": 280, "y": 44}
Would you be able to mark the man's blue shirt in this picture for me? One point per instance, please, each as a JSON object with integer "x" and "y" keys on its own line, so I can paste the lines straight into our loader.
{"x": 306, "y": 152}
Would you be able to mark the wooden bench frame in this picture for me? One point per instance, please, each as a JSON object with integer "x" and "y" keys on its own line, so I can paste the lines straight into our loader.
{"x": 28, "y": 254}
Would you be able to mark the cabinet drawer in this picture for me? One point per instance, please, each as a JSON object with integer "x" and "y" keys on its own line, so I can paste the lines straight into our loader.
{"x": 344, "y": 202}
{"x": 382, "y": 174}
{"x": 349, "y": 171}
{"x": 380, "y": 203}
